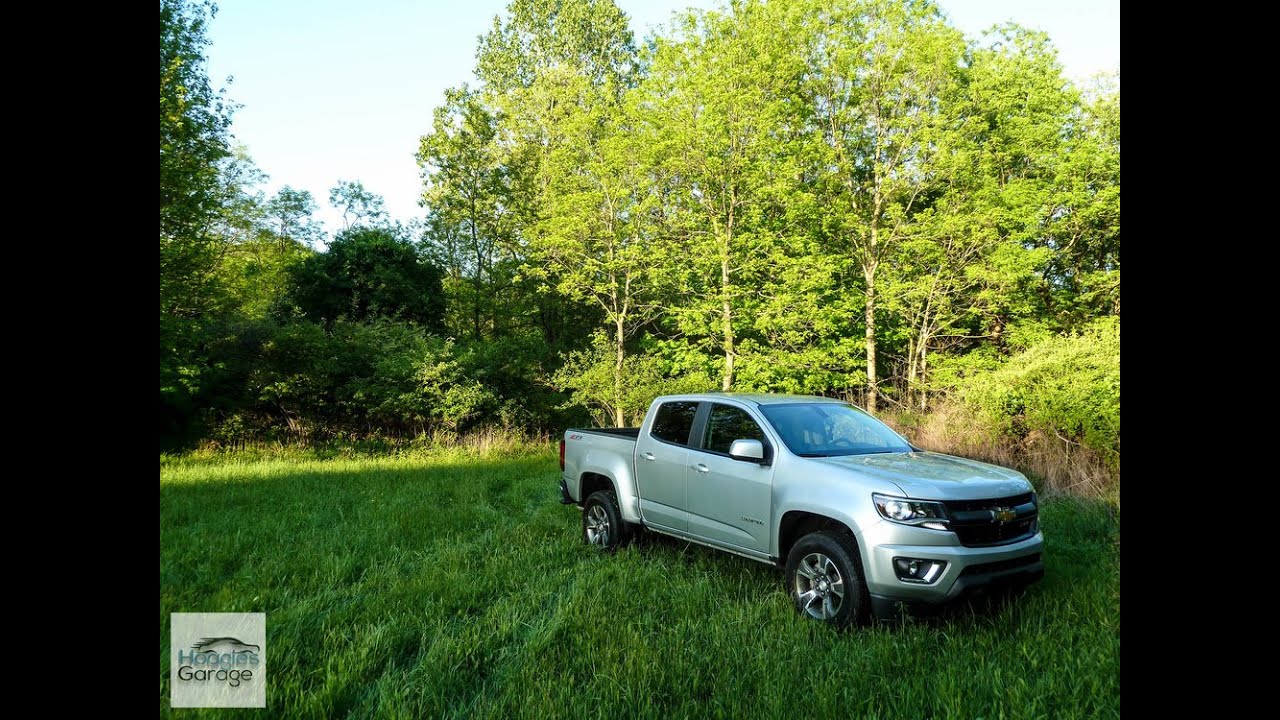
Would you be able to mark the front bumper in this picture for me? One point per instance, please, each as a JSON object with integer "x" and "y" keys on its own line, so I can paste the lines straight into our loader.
{"x": 968, "y": 569}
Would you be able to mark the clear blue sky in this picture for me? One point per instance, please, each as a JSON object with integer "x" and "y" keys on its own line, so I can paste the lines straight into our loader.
{"x": 343, "y": 90}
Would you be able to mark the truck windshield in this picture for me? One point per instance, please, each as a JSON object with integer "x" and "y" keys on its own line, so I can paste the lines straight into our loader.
{"x": 829, "y": 429}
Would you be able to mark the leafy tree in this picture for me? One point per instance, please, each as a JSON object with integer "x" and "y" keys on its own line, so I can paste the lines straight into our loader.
{"x": 193, "y": 146}
{"x": 193, "y": 143}
{"x": 597, "y": 242}
{"x": 368, "y": 273}
{"x": 1083, "y": 228}
{"x": 358, "y": 205}
{"x": 590, "y": 37}
{"x": 290, "y": 215}
{"x": 967, "y": 268}
{"x": 719, "y": 98}
{"x": 879, "y": 69}
{"x": 252, "y": 270}
{"x": 470, "y": 222}
{"x": 500, "y": 159}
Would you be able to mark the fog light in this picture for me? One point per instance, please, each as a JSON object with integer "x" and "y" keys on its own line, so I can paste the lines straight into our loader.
{"x": 914, "y": 570}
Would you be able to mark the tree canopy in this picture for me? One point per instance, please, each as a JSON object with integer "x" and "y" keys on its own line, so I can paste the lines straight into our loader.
{"x": 843, "y": 197}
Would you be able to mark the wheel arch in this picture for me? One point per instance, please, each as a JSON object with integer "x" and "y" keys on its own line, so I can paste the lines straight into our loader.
{"x": 610, "y": 466}
{"x": 590, "y": 482}
{"x": 795, "y": 524}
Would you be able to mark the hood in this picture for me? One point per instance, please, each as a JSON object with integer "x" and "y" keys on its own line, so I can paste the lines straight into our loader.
{"x": 934, "y": 476}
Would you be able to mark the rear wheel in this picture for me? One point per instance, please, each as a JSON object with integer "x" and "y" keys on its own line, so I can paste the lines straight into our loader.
{"x": 824, "y": 574}
{"x": 602, "y": 523}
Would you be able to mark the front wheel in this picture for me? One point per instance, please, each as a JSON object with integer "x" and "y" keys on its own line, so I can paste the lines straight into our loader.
{"x": 825, "y": 577}
{"x": 602, "y": 523}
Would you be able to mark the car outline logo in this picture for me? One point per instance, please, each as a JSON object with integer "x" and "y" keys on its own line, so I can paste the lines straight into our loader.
{"x": 220, "y": 645}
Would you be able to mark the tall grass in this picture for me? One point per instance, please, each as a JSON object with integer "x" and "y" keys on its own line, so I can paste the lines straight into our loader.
{"x": 449, "y": 583}
{"x": 480, "y": 441}
{"x": 1058, "y": 465}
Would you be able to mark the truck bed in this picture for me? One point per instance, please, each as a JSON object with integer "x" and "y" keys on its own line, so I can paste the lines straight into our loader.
{"x": 624, "y": 432}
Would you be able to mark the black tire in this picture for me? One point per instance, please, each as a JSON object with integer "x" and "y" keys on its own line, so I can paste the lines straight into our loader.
{"x": 602, "y": 523}
{"x": 830, "y": 587}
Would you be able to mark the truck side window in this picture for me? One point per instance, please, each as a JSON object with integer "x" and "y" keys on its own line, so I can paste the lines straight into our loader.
{"x": 674, "y": 421}
{"x": 726, "y": 424}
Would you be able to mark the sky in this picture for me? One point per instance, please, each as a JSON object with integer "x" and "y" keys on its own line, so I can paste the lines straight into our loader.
{"x": 342, "y": 90}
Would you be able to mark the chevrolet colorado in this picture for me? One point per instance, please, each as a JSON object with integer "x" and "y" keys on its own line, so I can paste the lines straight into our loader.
{"x": 861, "y": 520}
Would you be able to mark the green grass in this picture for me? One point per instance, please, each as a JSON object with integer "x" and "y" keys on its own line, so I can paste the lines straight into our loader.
{"x": 448, "y": 585}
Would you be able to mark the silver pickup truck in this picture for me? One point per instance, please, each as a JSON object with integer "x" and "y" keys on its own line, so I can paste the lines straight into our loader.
{"x": 861, "y": 520}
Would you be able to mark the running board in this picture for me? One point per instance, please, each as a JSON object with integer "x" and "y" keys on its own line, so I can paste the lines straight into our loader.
{"x": 742, "y": 552}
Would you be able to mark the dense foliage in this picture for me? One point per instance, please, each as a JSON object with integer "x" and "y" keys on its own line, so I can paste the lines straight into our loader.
{"x": 846, "y": 197}
{"x": 1064, "y": 386}
{"x": 368, "y": 273}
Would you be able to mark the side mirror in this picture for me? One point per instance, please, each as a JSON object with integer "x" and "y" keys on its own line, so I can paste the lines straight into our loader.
{"x": 748, "y": 450}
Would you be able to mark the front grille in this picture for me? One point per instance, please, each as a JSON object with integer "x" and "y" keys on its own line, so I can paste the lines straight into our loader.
{"x": 994, "y": 533}
{"x": 992, "y": 567}
{"x": 975, "y": 526}
{"x": 963, "y": 505}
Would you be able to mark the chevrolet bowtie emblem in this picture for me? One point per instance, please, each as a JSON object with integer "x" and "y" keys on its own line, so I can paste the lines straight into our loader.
{"x": 1004, "y": 514}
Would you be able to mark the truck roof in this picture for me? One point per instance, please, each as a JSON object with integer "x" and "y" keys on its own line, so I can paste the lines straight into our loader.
{"x": 761, "y": 398}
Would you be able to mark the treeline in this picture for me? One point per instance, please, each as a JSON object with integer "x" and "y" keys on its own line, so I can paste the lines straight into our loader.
{"x": 841, "y": 197}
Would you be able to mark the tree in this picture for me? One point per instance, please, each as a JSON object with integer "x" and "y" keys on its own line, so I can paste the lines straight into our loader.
{"x": 291, "y": 216}
{"x": 590, "y": 37}
{"x": 252, "y": 269}
{"x": 501, "y": 157}
{"x": 878, "y": 72}
{"x": 470, "y": 215}
{"x": 719, "y": 100}
{"x": 193, "y": 145}
{"x": 597, "y": 242}
{"x": 358, "y": 205}
{"x": 556, "y": 73}
{"x": 368, "y": 273}
{"x": 965, "y": 267}
{"x": 1083, "y": 227}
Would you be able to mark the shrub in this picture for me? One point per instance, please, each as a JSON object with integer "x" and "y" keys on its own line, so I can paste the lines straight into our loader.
{"x": 1068, "y": 387}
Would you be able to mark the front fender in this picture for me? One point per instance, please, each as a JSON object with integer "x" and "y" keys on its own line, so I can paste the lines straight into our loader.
{"x": 846, "y": 500}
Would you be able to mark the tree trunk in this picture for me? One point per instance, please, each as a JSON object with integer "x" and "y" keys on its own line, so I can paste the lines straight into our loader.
{"x": 869, "y": 272}
{"x": 727, "y": 310}
{"x": 924, "y": 370}
{"x": 475, "y": 246}
{"x": 911, "y": 367}
{"x": 619, "y": 339}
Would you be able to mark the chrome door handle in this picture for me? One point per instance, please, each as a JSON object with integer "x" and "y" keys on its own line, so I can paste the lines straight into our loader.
{"x": 701, "y": 468}
{"x": 648, "y": 456}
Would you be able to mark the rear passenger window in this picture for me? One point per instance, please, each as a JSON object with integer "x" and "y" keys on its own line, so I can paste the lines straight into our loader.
{"x": 674, "y": 421}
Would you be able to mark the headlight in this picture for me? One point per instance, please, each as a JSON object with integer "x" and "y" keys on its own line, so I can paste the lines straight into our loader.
{"x": 911, "y": 512}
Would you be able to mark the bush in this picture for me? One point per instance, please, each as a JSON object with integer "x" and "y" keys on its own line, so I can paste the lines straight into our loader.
{"x": 368, "y": 273}
{"x": 588, "y": 377}
{"x": 380, "y": 380}
{"x": 1067, "y": 387}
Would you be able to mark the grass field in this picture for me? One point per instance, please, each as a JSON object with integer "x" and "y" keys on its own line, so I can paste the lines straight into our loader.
{"x": 455, "y": 585}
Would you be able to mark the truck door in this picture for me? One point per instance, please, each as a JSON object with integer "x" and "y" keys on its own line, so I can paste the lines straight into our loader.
{"x": 729, "y": 501}
{"x": 662, "y": 460}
